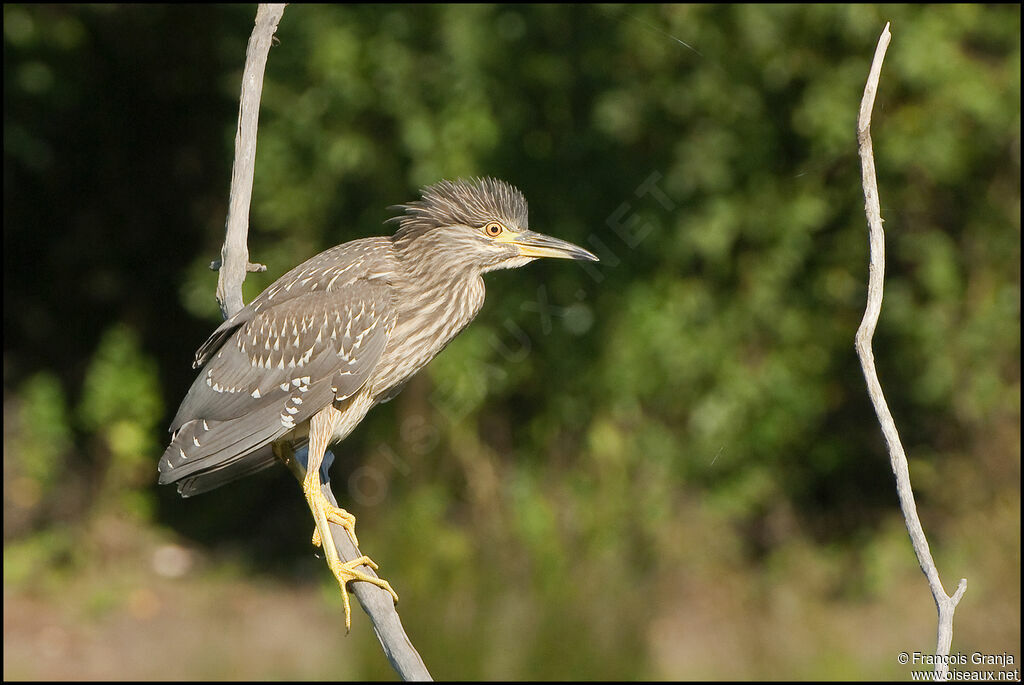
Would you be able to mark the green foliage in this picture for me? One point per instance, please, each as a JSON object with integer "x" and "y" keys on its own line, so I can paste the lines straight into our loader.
{"x": 121, "y": 405}
{"x": 46, "y": 432}
{"x": 38, "y": 449}
{"x": 40, "y": 559}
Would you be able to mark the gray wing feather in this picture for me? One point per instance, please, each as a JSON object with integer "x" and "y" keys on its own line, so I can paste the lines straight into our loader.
{"x": 334, "y": 269}
{"x": 272, "y": 371}
{"x": 224, "y": 444}
{"x": 259, "y": 460}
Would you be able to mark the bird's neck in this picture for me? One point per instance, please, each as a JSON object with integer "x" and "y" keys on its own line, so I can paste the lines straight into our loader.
{"x": 440, "y": 301}
{"x": 438, "y": 273}
{"x": 435, "y": 301}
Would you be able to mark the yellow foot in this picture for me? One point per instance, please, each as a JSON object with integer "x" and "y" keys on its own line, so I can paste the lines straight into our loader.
{"x": 346, "y": 572}
{"x": 335, "y": 515}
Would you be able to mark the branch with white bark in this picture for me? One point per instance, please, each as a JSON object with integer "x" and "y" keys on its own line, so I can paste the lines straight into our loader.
{"x": 945, "y": 604}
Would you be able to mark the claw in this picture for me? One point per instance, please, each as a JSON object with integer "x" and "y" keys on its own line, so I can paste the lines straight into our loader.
{"x": 346, "y": 572}
{"x": 321, "y": 429}
{"x": 325, "y": 513}
{"x": 339, "y": 516}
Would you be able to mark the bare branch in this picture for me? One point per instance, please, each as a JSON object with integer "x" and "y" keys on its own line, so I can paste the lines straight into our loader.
{"x": 945, "y": 604}
{"x": 377, "y": 603}
{"x": 249, "y": 266}
{"x": 235, "y": 253}
{"x": 380, "y": 607}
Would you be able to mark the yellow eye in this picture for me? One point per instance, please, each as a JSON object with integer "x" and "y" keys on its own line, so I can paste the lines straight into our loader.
{"x": 493, "y": 229}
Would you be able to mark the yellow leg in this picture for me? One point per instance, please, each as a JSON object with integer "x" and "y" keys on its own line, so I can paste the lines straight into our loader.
{"x": 284, "y": 452}
{"x": 321, "y": 426}
{"x": 336, "y": 515}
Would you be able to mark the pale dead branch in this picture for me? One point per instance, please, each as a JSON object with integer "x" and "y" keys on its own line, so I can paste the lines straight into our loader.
{"x": 876, "y": 274}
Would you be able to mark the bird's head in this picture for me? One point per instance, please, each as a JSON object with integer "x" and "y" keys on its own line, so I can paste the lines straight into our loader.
{"x": 478, "y": 225}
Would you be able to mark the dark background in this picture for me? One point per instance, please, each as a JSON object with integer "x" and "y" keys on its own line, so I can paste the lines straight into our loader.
{"x": 661, "y": 466}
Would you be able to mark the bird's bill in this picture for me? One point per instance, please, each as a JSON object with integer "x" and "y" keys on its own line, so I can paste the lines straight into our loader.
{"x": 533, "y": 244}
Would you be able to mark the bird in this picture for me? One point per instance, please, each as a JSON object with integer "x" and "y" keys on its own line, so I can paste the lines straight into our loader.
{"x": 301, "y": 365}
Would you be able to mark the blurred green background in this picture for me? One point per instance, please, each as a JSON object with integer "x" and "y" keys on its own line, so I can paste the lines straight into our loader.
{"x": 664, "y": 465}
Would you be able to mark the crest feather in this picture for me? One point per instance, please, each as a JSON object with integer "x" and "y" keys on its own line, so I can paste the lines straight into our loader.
{"x": 471, "y": 202}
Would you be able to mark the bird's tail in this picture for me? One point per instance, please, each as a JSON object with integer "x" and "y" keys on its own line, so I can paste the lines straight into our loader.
{"x": 262, "y": 458}
{"x": 205, "y": 454}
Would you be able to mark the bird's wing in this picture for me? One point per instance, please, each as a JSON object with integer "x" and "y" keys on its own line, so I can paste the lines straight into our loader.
{"x": 288, "y": 360}
{"x": 334, "y": 269}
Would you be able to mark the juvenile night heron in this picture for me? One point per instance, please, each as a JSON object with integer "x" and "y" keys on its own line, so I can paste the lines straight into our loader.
{"x": 302, "y": 364}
